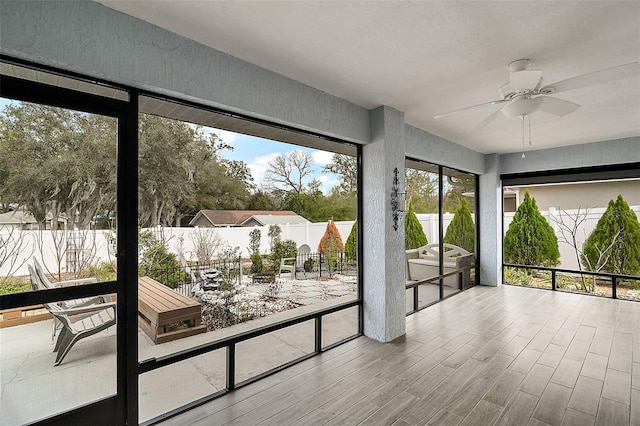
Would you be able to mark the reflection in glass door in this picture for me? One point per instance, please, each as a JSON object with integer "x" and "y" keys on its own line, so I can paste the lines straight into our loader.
{"x": 440, "y": 233}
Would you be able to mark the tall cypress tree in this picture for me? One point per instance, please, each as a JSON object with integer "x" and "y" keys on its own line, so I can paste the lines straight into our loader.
{"x": 461, "y": 230}
{"x": 351, "y": 246}
{"x": 530, "y": 240}
{"x": 331, "y": 241}
{"x": 414, "y": 236}
{"x": 614, "y": 244}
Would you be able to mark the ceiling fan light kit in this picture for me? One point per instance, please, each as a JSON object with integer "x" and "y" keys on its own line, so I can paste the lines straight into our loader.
{"x": 524, "y": 94}
{"x": 525, "y": 105}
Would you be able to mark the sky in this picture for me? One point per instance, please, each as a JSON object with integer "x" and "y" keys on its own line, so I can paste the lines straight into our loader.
{"x": 258, "y": 152}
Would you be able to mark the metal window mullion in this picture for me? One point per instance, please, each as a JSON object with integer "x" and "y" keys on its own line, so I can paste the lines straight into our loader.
{"x": 231, "y": 366}
{"x": 127, "y": 266}
{"x": 360, "y": 237}
{"x": 440, "y": 230}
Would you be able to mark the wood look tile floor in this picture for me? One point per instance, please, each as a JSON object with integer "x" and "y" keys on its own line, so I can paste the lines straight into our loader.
{"x": 488, "y": 356}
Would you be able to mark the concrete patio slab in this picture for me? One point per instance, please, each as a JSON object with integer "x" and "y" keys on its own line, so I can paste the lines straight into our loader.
{"x": 32, "y": 388}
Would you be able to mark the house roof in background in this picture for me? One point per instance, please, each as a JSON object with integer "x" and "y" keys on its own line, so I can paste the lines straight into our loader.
{"x": 275, "y": 219}
{"x": 238, "y": 217}
{"x": 19, "y": 216}
{"x": 23, "y": 216}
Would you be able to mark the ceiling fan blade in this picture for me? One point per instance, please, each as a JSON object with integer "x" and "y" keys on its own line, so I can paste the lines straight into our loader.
{"x": 524, "y": 80}
{"x": 468, "y": 108}
{"x": 484, "y": 122}
{"x": 594, "y": 78}
{"x": 556, "y": 106}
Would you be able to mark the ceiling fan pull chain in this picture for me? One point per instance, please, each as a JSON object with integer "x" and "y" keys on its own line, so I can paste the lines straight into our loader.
{"x": 522, "y": 117}
{"x": 529, "y": 129}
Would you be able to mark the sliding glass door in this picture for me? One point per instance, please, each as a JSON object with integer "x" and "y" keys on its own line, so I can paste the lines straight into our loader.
{"x": 440, "y": 233}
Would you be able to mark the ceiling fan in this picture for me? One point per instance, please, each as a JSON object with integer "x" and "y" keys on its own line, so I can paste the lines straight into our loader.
{"x": 524, "y": 94}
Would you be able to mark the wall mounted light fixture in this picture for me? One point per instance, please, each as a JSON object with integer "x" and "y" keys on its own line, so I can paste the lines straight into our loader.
{"x": 398, "y": 202}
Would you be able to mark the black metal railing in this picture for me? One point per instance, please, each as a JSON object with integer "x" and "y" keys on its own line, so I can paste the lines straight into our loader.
{"x": 230, "y": 343}
{"x": 436, "y": 280}
{"x": 184, "y": 279}
{"x": 320, "y": 264}
{"x": 615, "y": 278}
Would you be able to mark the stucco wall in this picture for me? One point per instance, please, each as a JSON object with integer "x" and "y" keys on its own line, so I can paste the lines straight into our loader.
{"x": 425, "y": 146}
{"x": 585, "y": 195}
{"x": 89, "y": 38}
{"x": 619, "y": 151}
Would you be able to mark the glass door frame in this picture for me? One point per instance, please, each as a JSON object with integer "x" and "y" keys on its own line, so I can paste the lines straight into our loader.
{"x": 121, "y": 408}
{"x": 441, "y": 196}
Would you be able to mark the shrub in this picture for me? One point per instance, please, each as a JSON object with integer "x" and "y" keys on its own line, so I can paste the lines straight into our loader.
{"x": 414, "y": 236}
{"x": 254, "y": 240}
{"x": 105, "y": 271}
{"x": 517, "y": 276}
{"x": 254, "y": 251}
{"x": 530, "y": 240}
{"x": 256, "y": 263}
{"x": 614, "y": 244}
{"x": 351, "y": 246}
{"x": 12, "y": 285}
{"x": 158, "y": 263}
{"x": 330, "y": 245}
{"x": 331, "y": 241}
{"x": 309, "y": 264}
{"x": 282, "y": 249}
{"x": 461, "y": 230}
{"x": 229, "y": 268}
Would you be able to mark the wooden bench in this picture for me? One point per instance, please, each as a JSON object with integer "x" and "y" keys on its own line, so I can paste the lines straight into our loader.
{"x": 166, "y": 315}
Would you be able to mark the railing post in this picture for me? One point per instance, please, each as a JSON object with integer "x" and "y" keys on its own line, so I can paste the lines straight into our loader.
{"x": 318, "y": 336}
{"x": 614, "y": 285}
{"x": 553, "y": 280}
{"x": 231, "y": 366}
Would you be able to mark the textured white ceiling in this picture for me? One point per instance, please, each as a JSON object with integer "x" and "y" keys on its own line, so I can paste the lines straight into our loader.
{"x": 424, "y": 58}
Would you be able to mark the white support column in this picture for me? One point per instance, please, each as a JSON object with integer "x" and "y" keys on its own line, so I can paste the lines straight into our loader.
{"x": 384, "y": 257}
{"x": 491, "y": 223}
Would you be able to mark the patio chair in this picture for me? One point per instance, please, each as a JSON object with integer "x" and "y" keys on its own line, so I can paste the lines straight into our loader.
{"x": 76, "y": 323}
{"x": 296, "y": 264}
{"x": 75, "y": 303}
{"x": 48, "y": 284}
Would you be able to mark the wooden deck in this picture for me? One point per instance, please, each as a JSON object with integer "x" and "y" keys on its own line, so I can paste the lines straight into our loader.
{"x": 488, "y": 356}
{"x": 165, "y": 314}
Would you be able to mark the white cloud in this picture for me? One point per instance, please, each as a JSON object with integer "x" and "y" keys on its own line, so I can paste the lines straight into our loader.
{"x": 260, "y": 165}
{"x": 322, "y": 157}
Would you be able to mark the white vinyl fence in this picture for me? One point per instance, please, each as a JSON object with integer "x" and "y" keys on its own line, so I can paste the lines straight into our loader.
{"x": 555, "y": 217}
{"x": 66, "y": 248}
